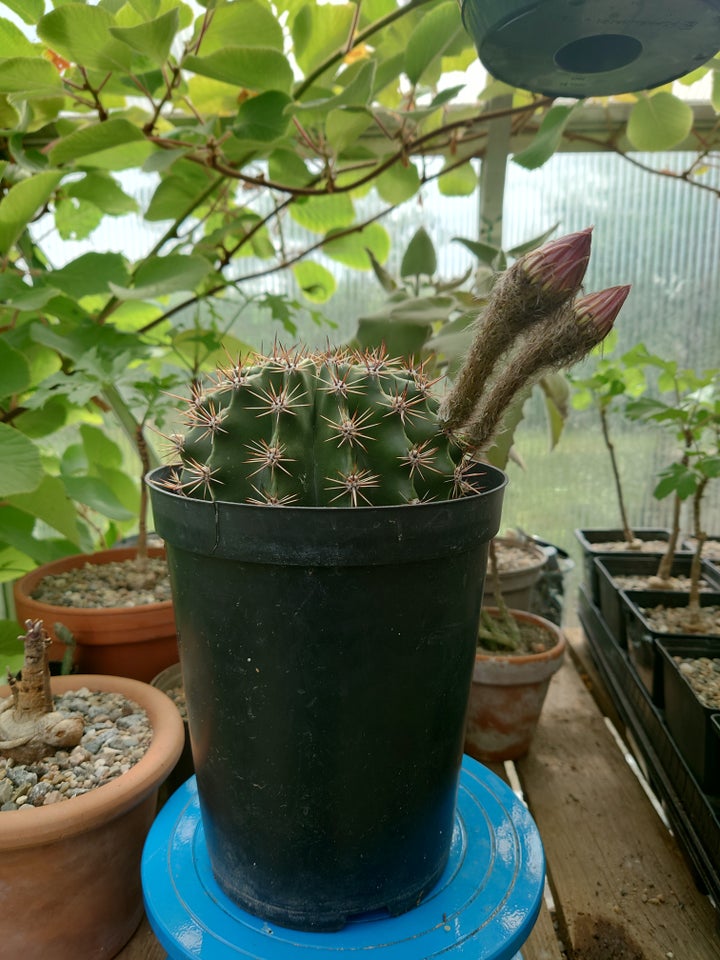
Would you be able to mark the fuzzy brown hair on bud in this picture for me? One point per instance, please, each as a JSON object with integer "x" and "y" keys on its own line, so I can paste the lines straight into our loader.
{"x": 561, "y": 340}
{"x": 537, "y": 284}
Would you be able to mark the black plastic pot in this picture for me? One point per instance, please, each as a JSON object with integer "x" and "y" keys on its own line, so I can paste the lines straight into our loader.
{"x": 608, "y": 568}
{"x": 327, "y": 656}
{"x": 689, "y": 721}
{"x": 588, "y": 540}
{"x": 642, "y": 638}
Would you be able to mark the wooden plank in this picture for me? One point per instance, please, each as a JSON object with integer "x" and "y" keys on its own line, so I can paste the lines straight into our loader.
{"x": 542, "y": 943}
{"x": 143, "y": 945}
{"x": 621, "y": 887}
{"x": 581, "y": 653}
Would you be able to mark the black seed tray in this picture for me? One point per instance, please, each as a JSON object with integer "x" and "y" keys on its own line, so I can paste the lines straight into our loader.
{"x": 693, "y": 814}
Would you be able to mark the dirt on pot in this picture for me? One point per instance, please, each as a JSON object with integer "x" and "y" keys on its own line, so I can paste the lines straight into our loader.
{"x": 123, "y": 583}
{"x": 117, "y": 735}
{"x": 703, "y": 675}
{"x": 677, "y": 620}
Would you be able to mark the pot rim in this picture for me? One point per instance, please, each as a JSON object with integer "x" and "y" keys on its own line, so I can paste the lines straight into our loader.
{"x": 552, "y": 653}
{"x": 24, "y": 586}
{"x": 67, "y": 818}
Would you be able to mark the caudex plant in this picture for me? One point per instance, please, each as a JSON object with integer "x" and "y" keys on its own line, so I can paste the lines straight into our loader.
{"x": 30, "y": 727}
{"x": 355, "y": 428}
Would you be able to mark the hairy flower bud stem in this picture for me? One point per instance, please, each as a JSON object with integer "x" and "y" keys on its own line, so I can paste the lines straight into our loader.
{"x": 534, "y": 286}
{"x": 563, "y": 339}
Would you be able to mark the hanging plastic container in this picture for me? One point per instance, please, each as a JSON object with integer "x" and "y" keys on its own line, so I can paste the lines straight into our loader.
{"x": 584, "y": 48}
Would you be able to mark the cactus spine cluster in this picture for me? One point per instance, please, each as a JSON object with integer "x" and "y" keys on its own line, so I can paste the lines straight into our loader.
{"x": 344, "y": 428}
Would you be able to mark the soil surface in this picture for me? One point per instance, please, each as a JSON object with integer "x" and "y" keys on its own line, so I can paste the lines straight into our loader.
{"x": 512, "y": 556}
{"x": 622, "y": 546}
{"x": 677, "y": 619}
{"x": 703, "y": 675}
{"x": 636, "y": 582}
{"x": 117, "y": 734}
{"x": 124, "y": 583}
{"x": 711, "y": 549}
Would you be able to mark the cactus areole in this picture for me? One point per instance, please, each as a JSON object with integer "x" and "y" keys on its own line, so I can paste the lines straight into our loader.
{"x": 327, "y": 521}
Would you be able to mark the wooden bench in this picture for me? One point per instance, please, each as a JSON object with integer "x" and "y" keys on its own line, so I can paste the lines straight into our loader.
{"x": 619, "y": 886}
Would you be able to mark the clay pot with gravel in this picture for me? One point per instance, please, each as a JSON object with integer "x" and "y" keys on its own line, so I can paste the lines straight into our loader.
{"x": 118, "y": 611}
{"x": 518, "y": 653}
{"x": 70, "y": 869}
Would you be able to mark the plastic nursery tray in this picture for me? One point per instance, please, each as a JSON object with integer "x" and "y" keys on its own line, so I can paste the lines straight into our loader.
{"x": 588, "y": 538}
{"x": 693, "y": 814}
{"x": 687, "y": 719}
{"x": 642, "y": 565}
{"x": 642, "y": 637}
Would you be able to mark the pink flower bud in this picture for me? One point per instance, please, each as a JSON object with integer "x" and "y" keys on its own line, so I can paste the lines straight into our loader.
{"x": 600, "y": 309}
{"x": 559, "y": 266}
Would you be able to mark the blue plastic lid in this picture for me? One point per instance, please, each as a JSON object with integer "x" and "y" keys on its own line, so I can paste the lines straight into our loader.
{"x": 483, "y": 908}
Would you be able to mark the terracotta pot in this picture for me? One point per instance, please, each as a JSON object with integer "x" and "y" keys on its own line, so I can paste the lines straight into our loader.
{"x": 516, "y": 585}
{"x": 166, "y": 680}
{"x": 507, "y": 696}
{"x": 70, "y": 872}
{"x": 136, "y": 642}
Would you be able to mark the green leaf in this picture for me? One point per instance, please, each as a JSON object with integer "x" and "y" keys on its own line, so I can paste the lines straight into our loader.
{"x": 419, "y": 259}
{"x": 459, "y": 182}
{"x": 344, "y": 127}
{"x": 11, "y": 648}
{"x": 254, "y": 68}
{"x": 160, "y": 276}
{"x": 263, "y": 117}
{"x": 15, "y": 293}
{"x": 14, "y": 564}
{"x": 153, "y": 38}
{"x": 249, "y": 23}
{"x": 96, "y": 494}
{"x": 22, "y": 470}
{"x": 104, "y": 192}
{"x": 715, "y": 93}
{"x": 398, "y": 183}
{"x": 99, "y": 448}
{"x": 91, "y": 273}
{"x": 14, "y": 370}
{"x": 533, "y": 243}
{"x": 321, "y": 214}
{"x": 76, "y": 219}
{"x": 13, "y": 42}
{"x": 286, "y": 167}
{"x": 318, "y": 31}
{"x": 81, "y": 34}
{"x": 547, "y": 139}
{"x": 430, "y": 39}
{"x": 354, "y": 249}
{"x": 17, "y": 529}
{"x": 29, "y": 77}
{"x": 29, "y": 11}
{"x": 316, "y": 283}
{"x": 94, "y": 139}
{"x": 659, "y": 122}
{"x": 485, "y": 252}
{"x": 21, "y": 203}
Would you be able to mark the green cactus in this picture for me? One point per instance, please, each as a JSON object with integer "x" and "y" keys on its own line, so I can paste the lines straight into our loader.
{"x": 318, "y": 429}
{"x": 350, "y": 428}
